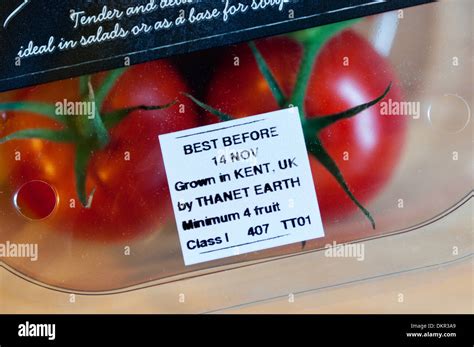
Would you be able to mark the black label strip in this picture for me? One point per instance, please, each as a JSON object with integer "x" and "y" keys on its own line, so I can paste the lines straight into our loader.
{"x": 46, "y": 40}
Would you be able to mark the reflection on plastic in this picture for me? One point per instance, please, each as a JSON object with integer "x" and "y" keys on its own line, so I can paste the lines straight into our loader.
{"x": 36, "y": 200}
{"x": 450, "y": 114}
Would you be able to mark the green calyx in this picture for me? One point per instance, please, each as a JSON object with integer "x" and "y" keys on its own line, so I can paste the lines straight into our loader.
{"x": 311, "y": 129}
{"x": 88, "y": 133}
{"x": 312, "y": 40}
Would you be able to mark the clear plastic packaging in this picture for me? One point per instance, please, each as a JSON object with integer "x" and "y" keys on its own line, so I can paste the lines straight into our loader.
{"x": 419, "y": 206}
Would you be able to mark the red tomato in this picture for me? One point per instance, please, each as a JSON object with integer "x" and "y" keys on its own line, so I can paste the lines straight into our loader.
{"x": 370, "y": 141}
{"x": 131, "y": 192}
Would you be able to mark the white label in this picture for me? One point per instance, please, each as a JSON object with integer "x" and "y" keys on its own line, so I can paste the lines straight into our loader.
{"x": 241, "y": 186}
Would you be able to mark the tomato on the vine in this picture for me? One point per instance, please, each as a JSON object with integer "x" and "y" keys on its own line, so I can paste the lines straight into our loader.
{"x": 131, "y": 194}
{"x": 347, "y": 72}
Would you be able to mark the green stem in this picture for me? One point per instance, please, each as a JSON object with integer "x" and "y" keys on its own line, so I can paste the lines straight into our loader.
{"x": 100, "y": 131}
{"x": 223, "y": 117}
{"x": 306, "y": 68}
{"x": 44, "y": 134}
{"x": 268, "y": 75}
{"x": 107, "y": 86}
{"x": 83, "y": 86}
{"x": 83, "y": 155}
{"x": 42, "y": 109}
{"x": 316, "y": 148}
{"x": 113, "y": 118}
{"x": 91, "y": 127}
{"x": 317, "y": 123}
